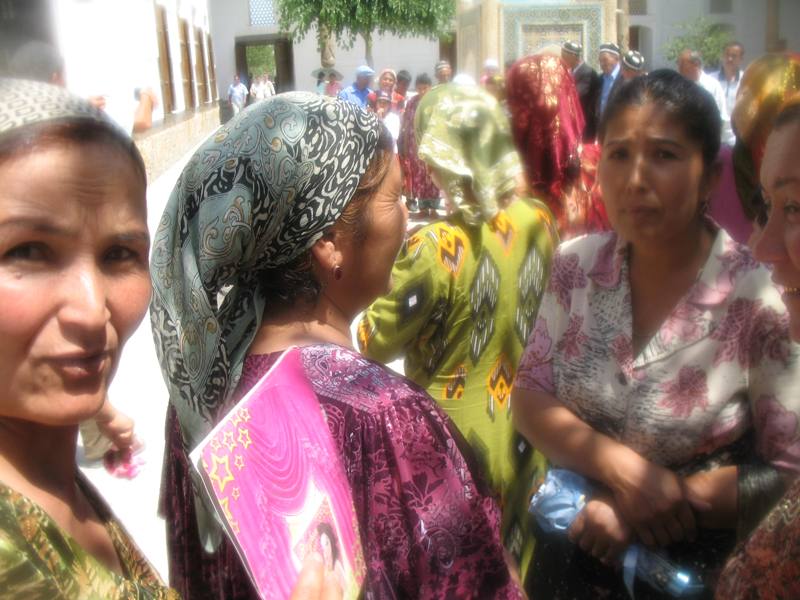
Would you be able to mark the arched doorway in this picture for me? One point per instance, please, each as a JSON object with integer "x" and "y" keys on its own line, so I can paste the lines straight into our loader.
{"x": 256, "y": 51}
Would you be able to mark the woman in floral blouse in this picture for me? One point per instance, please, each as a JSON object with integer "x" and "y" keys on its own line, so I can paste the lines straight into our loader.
{"x": 660, "y": 364}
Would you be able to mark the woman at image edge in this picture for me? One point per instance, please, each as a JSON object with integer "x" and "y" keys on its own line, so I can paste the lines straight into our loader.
{"x": 659, "y": 365}
{"x": 74, "y": 285}
{"x": 767, "y": 564}
{"x": 292, "y": 210}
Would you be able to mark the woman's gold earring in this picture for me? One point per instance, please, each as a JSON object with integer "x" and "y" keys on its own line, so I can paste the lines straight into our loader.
{"x": 337, "y": 272}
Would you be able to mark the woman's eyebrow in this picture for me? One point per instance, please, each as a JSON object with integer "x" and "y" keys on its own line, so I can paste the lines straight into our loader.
{"x": 784, "y": 181}
{"x": 38, "y": 225}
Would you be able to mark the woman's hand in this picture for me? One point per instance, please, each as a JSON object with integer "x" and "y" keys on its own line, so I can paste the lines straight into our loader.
{"x": 116, "y": 426}
{"x": 600, "y": 530}
{"x": 719, "y": 489}
{"x": 655, "y": 501}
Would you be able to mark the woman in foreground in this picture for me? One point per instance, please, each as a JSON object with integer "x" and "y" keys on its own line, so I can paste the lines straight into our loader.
{"x": 767, "y": 564}
{"x": 660, "y": 365}
{"x": 74, "y": 284}
{"x": 282, "y": 228}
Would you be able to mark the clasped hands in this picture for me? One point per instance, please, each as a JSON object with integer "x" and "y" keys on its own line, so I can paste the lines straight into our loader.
{"x": 650, "y": 504}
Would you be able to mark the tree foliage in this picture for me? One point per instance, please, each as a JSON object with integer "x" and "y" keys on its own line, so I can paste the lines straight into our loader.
{"x": 261, "y": 59}
{"x": 347, "y": 19}
{"x": 702, "y": 35}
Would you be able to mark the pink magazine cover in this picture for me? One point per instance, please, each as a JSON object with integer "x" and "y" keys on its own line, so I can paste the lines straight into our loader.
{"x": 278, "y": 485}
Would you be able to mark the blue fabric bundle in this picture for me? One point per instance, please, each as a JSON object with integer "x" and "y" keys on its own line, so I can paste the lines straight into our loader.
{"x": 559, "y": 500}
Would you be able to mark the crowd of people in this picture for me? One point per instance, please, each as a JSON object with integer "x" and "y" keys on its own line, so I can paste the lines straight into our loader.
{"x": 583, "y": 304}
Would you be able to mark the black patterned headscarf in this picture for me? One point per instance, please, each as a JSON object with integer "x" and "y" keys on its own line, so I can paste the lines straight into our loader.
{"x": 256, "y": 195}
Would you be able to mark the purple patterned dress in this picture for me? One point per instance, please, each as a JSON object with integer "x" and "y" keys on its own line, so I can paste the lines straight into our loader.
{"x": 417, "y": 181}
{"x": 429, "y": 529}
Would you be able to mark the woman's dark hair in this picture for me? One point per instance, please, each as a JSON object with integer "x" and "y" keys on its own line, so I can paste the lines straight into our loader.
{"x": 423, "y": 79}
{"x": 689, "y": 105}
{"x": 789, "y": 114}
{"x": 29, "y": 138}
{"x": 295, "y": 281}
{"x": 404, "y": 75}
{"x": 327, "y": 529}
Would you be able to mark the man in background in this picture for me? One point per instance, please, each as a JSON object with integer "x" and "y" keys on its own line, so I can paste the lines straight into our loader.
{"x": 40, "y": 61}
{"x": 490, "y": 69}
{"x": 690, "y": 65}
{"x": 237, "y": 95}
{"x": 610, "y": 81}
{"x": 358, "y": 91}
{"x": 730, "y": 74}
{"x": 587, "y": 83}
{"x": 267, "y": 87}
{"x": 443, "y": 72}
{"x": 632, "y": 65}
{"x": 401, "y": 94}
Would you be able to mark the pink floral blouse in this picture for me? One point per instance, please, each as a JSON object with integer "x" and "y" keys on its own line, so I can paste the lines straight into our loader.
{"x": 720, "y": 370}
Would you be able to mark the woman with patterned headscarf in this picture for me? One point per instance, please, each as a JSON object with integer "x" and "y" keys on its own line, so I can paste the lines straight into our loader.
{"x": 283, "y": 226}
{"x": 386, "y": 82}
{"x": 547, "y": 122}
{"x": 74, "y": 285}
{"x": 466, "y": 290}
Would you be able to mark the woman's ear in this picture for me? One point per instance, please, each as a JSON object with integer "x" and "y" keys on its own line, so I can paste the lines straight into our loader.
{"x": 323, "y": 251}
{"x": 327, "y": 256}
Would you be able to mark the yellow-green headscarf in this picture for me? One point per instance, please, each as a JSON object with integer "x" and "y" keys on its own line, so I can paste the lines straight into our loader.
{"x": 463, "y": 133}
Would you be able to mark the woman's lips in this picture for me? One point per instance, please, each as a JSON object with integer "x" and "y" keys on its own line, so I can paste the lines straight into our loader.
{"x": 80, "y": 366}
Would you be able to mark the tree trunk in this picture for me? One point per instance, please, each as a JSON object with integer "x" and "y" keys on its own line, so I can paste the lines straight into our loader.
{"x": 326, "y": 48}
{"x": 623, "y": 24}
{"x": 368, "y": 48}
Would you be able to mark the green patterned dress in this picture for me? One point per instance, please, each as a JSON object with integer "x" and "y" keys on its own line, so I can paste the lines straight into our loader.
{"x": 40, "y": 560}
{"x": 463, "y": 302}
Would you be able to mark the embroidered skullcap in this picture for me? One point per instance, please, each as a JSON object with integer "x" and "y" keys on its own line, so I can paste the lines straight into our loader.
{"x": 633, "y": 60}
{"x": 572, "y": 48}
{"x": 609, "y": 47}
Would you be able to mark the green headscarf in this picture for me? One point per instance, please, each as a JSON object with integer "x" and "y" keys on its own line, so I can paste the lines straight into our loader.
{"x": 463, "y": 133}
{"x": 254, "y": 196}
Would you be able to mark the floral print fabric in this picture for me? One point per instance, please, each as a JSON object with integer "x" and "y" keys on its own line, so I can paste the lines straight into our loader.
{"x": 716, "y": 385}
{"x": 767, "y": 564}
{"x": 720, "y": 365}
{"x": 429, "y": 529}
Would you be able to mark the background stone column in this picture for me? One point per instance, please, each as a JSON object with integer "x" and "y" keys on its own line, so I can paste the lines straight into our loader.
{"x": 490, "y": 32}
{"x": 623, "y": 25}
